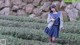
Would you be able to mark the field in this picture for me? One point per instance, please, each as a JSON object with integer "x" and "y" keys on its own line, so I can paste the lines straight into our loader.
{"x": 22, "y": 30}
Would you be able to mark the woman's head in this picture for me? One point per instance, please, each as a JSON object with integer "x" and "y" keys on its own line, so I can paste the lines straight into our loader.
{"x": 53, "y": 8}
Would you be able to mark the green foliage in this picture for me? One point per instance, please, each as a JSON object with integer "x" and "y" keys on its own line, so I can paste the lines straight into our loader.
{"x": 15, "y": 41}
{"x": 22, "y": 19}
{"x": 33, "y": 29}
{"x": 72, "y": 27}
{"x": 33, "y": 25}
{"x": 33, "y": 34}
{"x": 69, "y": 27}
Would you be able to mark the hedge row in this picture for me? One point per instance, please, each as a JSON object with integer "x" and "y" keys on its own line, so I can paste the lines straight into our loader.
{"x": 32, "y": 34}
{"x": 72, "y": 27}
{"x": 22, "y": 19}
{"x": 22, "y": 24}
{"x": 68, "y": 27}
{"x": 15, "y": 41}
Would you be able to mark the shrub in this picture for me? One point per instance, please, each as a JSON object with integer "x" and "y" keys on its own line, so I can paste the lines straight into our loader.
{"x": 32, "y": 34}
{"x": 15, "y": 41}
{"x": 69, "y": 27}
{"x": 22, "y": 19}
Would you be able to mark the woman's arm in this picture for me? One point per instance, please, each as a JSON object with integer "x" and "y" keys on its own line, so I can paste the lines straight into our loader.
{"x": 49, "y": 18}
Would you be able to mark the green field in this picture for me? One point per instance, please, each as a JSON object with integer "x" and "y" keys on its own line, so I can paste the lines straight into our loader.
{"x": 21, "y": 30}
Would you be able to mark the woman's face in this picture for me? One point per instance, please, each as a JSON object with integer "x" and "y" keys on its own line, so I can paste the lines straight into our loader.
{"x": 53, "y": 9}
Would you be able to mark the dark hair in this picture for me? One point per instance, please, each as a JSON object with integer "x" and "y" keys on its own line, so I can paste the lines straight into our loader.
{"x": 53, "y": 6}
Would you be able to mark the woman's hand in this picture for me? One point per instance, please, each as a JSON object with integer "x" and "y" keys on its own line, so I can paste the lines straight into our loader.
{"x": 52, "y": 20}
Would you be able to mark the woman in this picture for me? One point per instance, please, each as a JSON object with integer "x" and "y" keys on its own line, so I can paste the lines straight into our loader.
{"x": 55, "y": 23}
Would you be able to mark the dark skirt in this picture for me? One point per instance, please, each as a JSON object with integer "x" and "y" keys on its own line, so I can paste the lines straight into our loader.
{"x": 53, "y": 31}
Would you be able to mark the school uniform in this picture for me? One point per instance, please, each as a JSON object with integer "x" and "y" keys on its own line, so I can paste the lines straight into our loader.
{"x": 54, "y": 28}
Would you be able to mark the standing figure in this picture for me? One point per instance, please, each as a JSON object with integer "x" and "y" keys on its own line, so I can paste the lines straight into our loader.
{"x": 55, "y": 24}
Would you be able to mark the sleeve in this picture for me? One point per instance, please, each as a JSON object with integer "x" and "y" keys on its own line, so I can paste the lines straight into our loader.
{"x": 61, "y": 20}
{"x": 48, "y": 18}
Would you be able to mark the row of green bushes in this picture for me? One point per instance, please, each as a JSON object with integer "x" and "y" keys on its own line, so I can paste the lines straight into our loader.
{"x": 16, "y": 41}
{"x": 68, "y": 27}
{"x": 22, "y": 24}
{"x": 72, "y": 27}
{"x": 22, "y": 19}
{"x": 32, "y": 34}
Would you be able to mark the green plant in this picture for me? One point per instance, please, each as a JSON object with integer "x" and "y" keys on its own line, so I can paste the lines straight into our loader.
{"x": 32, "y": 34}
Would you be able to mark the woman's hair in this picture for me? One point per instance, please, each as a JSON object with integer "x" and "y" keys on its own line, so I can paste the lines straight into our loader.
{"x": 53, "y": 6}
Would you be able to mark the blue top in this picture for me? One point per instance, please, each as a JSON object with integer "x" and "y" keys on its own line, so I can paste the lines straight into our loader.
{"x": 56, "y": 17}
